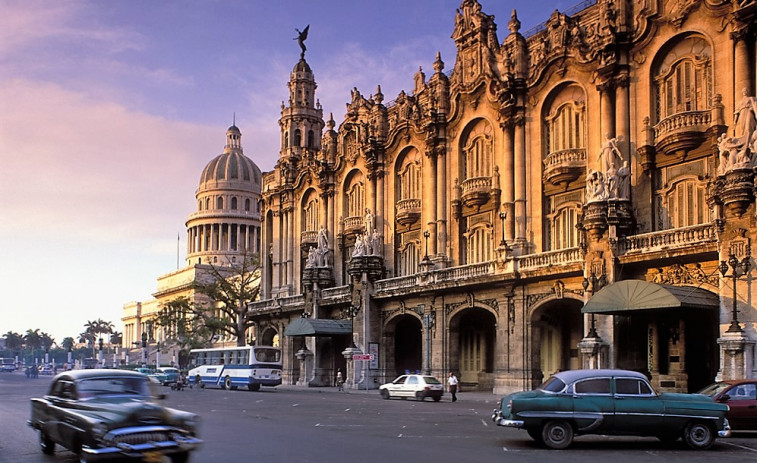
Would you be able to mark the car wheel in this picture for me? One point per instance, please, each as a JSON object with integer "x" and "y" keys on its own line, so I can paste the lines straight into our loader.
{"x": 46, "y": 444}
{"x": 181, "y": 457}
{"x": 198, "y": 381}
{"x": 699, "y": 436}
{"x": 420, "y": 396}
{"x": 557, "y": 434}
{"x": 385, "y": 394}
{"x": 227, "y": 383}
{"x": 535, "y": 434}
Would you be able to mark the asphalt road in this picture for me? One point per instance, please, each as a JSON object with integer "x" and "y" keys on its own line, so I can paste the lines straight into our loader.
{"x": 289, "y": 424}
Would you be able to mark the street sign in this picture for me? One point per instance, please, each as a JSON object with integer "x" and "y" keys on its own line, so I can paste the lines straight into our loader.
{"x": 362, "y": 357}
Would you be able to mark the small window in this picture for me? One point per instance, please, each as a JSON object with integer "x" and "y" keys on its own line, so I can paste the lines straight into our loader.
{"x": 744, "y": 392}
{"x": 412, "y": 380}
{"x": 630, "y": 386}
{"x": 219, "y": 203}
{"x": 593, "y": 386}
{"x": 247, "y": 205}
{"x": 234, "y": 202}
{"x": 400, "y": 380}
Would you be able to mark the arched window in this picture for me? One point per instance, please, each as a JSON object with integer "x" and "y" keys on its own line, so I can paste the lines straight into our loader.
{"x": 683, "y": 78}
{"x": 207, "y": 203}
{"x": 286, "y": 139}
{"x": 409, "y": 177}
{"x": 478, "y": 157}
{"x": 234, "y": 202}
{"x": 683, "y": 204}
{"x": 408, "y": 258}
{"x": 478, "y": 244}
{"x": 199, "y": 205}
{"x": 355, "y": 197}
{"x": 310, "y": 213}
{"x": 297, "y": 138}
{"x": 247, "y": 205}
{"x": 311, "y": 139}
{"x": 565, "y": 127}
{"x": 219, "y": 203}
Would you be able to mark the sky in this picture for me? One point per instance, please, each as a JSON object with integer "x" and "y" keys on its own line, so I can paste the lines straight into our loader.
{"x": 109, "y": 110}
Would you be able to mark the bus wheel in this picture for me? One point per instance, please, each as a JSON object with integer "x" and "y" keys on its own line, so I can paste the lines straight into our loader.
{"x": 227, "y": 383}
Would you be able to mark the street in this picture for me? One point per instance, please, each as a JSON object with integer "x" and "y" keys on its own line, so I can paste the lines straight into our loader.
{"x": 289, "y": 424}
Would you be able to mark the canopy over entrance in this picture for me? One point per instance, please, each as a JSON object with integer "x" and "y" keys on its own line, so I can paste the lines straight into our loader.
{"x": 318, "y": 327}
{"x": 625, "y": 297}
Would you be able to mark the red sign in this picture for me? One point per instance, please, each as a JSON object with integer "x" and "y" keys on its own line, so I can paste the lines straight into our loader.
{"x": 362, "y": 357}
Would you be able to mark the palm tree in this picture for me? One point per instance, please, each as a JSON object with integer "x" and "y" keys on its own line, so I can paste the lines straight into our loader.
{"x": 13, "y": 341}
{"x": 68, "y": 343}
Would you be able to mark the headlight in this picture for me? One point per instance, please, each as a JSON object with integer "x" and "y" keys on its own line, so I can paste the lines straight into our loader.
{"x": 99, "y": 429}
{"x": 191, "y": 422}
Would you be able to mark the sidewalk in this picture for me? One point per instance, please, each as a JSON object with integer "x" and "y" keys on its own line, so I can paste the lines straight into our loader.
{"x": 472, "y": 396}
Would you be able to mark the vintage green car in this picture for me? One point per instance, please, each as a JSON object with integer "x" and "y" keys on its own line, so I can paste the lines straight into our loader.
{"x": 611, "y": 402}
{"x": 100, "y": 414}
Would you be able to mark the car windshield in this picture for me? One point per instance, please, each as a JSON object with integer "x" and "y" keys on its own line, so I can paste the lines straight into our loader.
{"x": 553, "y": 384}
{"x": 98, "y": 387}
{"x": 714, "y": 389}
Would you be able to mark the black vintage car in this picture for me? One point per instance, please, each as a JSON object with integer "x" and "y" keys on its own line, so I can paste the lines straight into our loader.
{"x": 102, "y": 414}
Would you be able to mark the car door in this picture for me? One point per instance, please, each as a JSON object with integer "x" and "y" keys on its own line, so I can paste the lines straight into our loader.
{"x": 743, "y": 406}
{"x": 395, "y": 387}
{"x": 593, "y": 405}
{"x": 411, "y": 386}
{"x": 638, "y": 409}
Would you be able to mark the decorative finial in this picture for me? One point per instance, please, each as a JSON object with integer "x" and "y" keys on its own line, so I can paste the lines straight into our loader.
{"x": 301, "y": 37}
{"x": 438, "y": 64}
{"x": 514, "y": 24}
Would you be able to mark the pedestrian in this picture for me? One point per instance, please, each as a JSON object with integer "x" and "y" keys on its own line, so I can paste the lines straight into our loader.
{"x": 452, "y": 385}
{"x": 339, "y": 380}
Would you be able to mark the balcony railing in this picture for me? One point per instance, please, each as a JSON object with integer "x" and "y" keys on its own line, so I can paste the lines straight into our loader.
{"x": 353, "y": 224}
{"x": 564, "y": 166}
{"x": 460, "y": 273}
{"x": 549, "y": 258}
{"x": 476, "y": 190}
{"x": 668, "y": 239}
{"x": 336, "y": 292}
{"x": 690, "y": 121}
{"x": 309, "y": 236}
{"x": 408, "y": 210}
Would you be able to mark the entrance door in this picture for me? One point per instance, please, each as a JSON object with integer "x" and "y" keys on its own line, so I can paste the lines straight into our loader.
{"x": 472, "y": 353}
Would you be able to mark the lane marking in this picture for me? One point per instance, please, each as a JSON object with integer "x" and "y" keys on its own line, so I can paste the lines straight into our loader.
{"x": 740, "y": 446}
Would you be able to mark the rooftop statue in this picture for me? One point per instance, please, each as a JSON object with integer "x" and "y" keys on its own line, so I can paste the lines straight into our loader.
{"x": 301, "y": 37}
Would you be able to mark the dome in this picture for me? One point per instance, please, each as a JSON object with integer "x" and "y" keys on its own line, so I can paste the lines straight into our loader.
{"x": 231, "y": 169}
{"x": 302, "y": 66}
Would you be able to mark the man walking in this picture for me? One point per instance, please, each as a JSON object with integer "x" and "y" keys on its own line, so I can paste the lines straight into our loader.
{"x": 452, "y": 385}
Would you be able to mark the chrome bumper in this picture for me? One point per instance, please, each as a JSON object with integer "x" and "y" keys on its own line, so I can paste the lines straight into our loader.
{"x": 178, "y": 444}
{"x": 499, "y": 420}
{"x": 726, "y": 431}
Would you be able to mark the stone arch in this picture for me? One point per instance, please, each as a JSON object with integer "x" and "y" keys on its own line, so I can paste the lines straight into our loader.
{"x": 476, "y": 159}
{"x": 403, "y": 343}
{"x": 556, "y": 328}
{"x": 473, "y": 344}
{"x": 269, "y": 336}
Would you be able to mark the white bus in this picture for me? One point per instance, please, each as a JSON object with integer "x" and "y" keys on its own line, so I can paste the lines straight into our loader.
{"x": 233, "y": 367}
{"x": 7, "y": 364}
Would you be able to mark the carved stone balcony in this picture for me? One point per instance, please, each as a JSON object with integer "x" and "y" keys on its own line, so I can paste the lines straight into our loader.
{"x": 476, "y": 191}
{"x": 309, "y": 237}
{"x": 353, "y": 224}
{"x": 668, "y": 240}
{"x": 408, "y": 211}
{"x": 565, "y": 166}
{"x": 682, "y": 131}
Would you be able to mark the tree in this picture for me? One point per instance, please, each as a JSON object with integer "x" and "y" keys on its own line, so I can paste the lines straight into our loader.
{"x": 68, "y": 343}
{"x": 13, "y": 341}
{"x": 46, "y": 341}
{"x": 185, "y": 324}
{"x": 116, "y": 338}
{"x": 32, "y": 339}
{"x": 231, "y": 289}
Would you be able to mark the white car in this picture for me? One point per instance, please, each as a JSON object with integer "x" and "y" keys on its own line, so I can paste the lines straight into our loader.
{"x": 417, "y": 386}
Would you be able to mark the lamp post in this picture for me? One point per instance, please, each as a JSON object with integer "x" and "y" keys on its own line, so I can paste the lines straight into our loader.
{"x": 351, "y": 312}
{"x": 503, "y": 216}
{"x": 738, "y": 268}
{"x": 426, "y": 234}
{"x": 428, "y": 322}
{"x": 593, "y": 281}
{"x": 144, "y": 347}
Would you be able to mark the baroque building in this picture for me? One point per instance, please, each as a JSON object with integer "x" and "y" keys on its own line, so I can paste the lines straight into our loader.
{"x": 577, "y": 195}
{"x": 225, "y": 226}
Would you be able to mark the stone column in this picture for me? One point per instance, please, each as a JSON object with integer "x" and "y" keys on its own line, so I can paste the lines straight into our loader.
{"x": 607, "y": 123}
{"x": 741, "y": 69}
{"x": 622, "y": 114}
{"x": 736, "y": 356}
{"x": 441, "y": 203}
{"x": 520, "y": 181}
{"x": 508, "y": 183}
{"x": 380, "y": 212}
{"x": 430, "y": 205}
{"x": 305, "y": 356}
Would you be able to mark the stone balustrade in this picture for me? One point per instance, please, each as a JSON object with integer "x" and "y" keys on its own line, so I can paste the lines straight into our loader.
{"x": 549, "y": 258}
{"x": 696, "y": 121}
{"x": 668, "y": 239}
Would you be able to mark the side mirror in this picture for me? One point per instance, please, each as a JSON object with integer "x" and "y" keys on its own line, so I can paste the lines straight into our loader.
{"x": 724, "y": 398}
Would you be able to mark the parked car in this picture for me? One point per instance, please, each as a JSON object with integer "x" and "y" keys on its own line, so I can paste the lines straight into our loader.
{"x": 111, "y": 414}
{"x": 417, "y": 386}
{"x": 613, "y": 402}
{"x": 741, "y": 397}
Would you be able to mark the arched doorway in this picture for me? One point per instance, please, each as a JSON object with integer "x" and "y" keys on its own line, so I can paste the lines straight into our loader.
{"x": 557, "y": 329}
{"x": 408, "y": 345}
{"x": 475, "y": 347}
{"x": 269, "y": 337}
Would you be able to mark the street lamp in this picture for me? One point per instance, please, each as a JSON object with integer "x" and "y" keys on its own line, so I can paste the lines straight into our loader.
{"x": 594, "y": 282}
{"x": 738, "y": 268}
{"x": 351, "y": 312}
{"x": 144, "y": 347}
{"x": 426, "y": 234}
{"x": 503, "y": 216}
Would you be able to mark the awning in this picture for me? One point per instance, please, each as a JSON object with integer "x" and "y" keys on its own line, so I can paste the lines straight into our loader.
{"x": 318, "y": 327}
{"x": 628, "y": 296}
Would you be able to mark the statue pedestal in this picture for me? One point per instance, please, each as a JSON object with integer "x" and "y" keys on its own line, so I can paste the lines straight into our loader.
{"x": 594, "y": 353}
{"x": 306, "y": 366}
{"x": 736, "y": 356}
